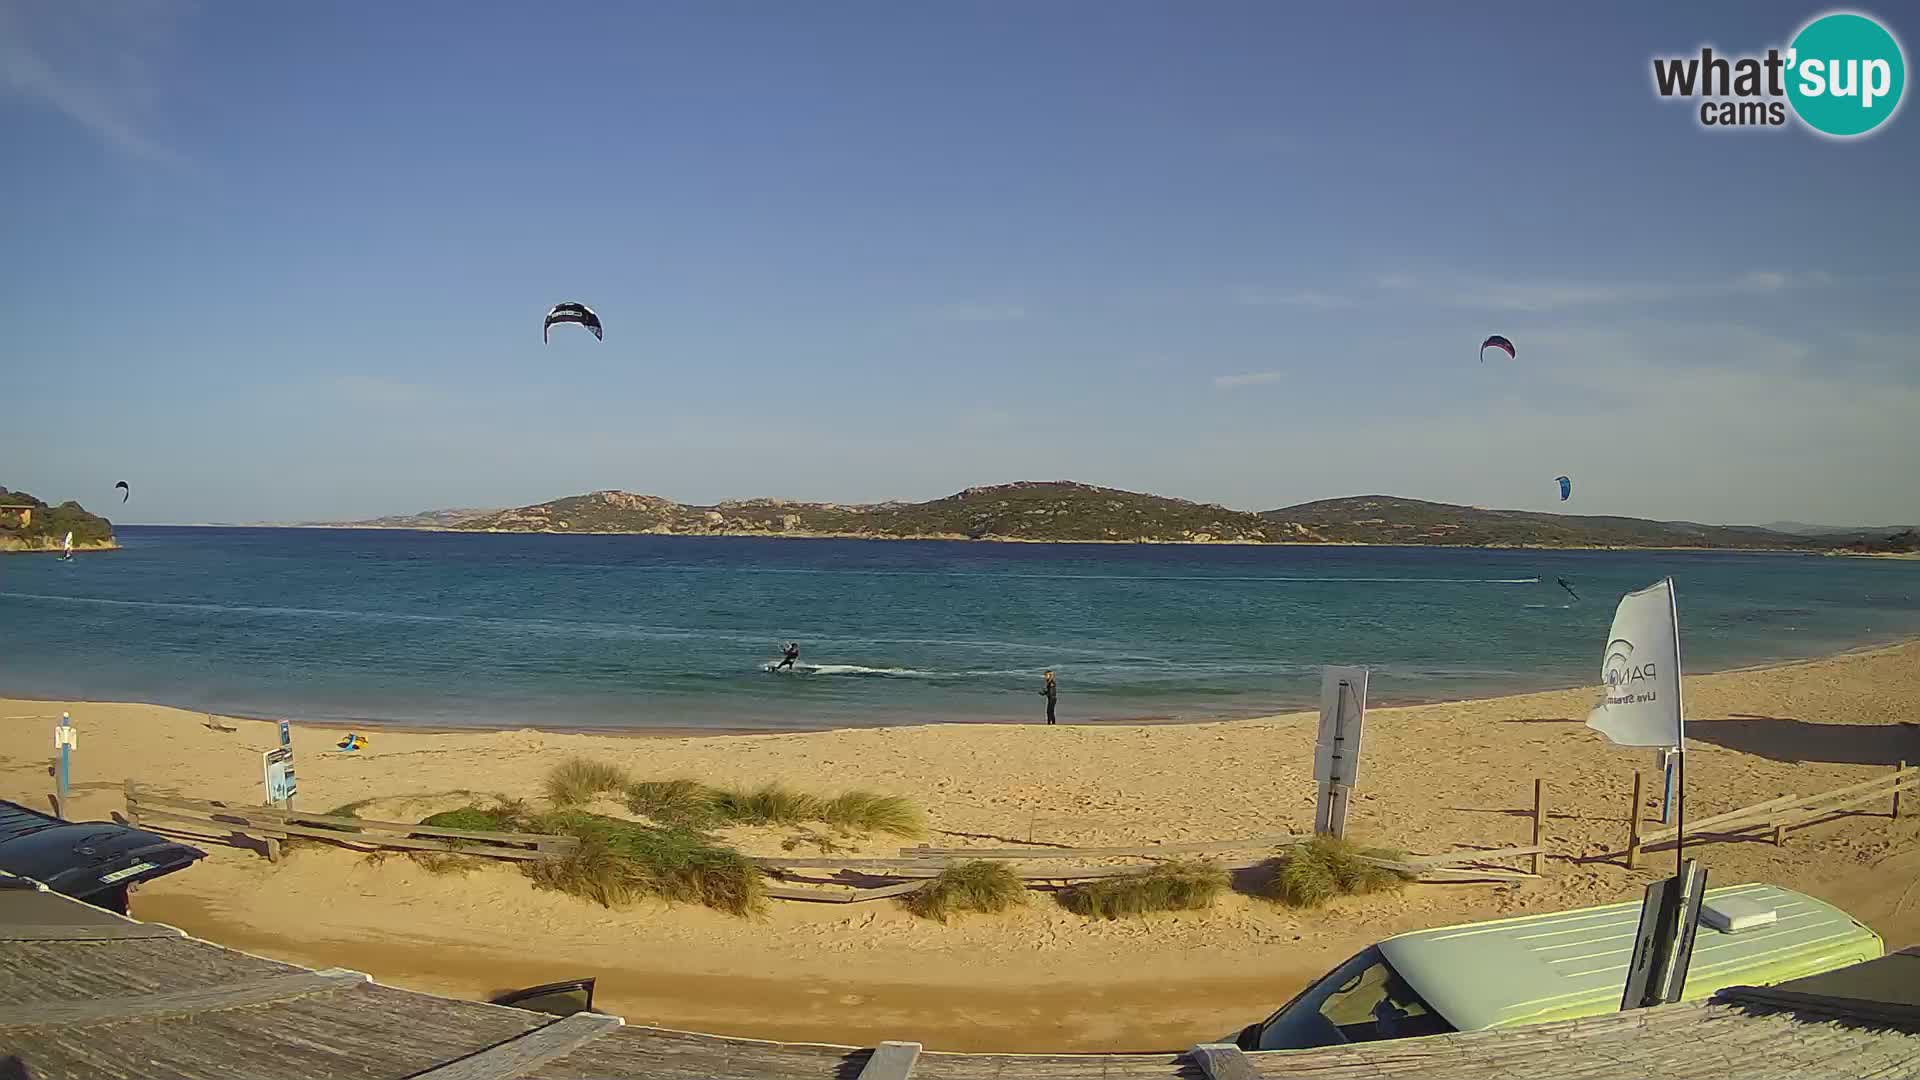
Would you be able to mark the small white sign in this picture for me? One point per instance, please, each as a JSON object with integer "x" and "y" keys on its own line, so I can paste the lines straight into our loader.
{"x": 278, "y": 765}
{"x": 64, "y": 735}
{"x": 108, "y": 879}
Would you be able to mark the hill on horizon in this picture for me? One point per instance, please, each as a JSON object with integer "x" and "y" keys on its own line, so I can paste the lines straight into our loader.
{"x": 1068, "y": 511}
{"x": 1388, "y": 519}
{"x": 45, "y": 526}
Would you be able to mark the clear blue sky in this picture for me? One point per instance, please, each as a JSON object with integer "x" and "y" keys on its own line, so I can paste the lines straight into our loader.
{"x": 280, "y": 261}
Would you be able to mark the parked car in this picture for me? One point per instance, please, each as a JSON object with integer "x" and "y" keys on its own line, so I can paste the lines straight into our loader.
{"x": 98, "y": 862}
{"x": 1560, "y": 966}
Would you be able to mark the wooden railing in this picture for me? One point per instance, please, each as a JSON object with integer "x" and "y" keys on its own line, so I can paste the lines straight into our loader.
{"x": 1781, "y": 814}
{"x": 273, "y": 824}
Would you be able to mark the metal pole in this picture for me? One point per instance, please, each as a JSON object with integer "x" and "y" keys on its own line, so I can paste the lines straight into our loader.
{"x": 61, "y": 775}
{"x": 1666, "y": 797}
{"x": 1680, "y": 716}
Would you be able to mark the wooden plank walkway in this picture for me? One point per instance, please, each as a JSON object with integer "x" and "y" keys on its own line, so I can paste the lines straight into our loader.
{"x": 524, "y": 1054}
{"x": 199, "y": 1001}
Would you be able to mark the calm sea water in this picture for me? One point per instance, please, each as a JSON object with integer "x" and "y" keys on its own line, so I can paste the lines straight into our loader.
{"x": 618, "y": 631}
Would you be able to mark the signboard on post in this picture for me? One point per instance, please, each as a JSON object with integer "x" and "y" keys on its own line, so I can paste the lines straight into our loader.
{"x": 278, "y": 765}
{"x": 1336, "y": 752}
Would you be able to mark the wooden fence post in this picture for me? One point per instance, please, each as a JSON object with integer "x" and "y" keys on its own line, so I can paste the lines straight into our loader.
{"x": 133, "y": 803}
{"x": 1899, "y": 774}
{"x": 1539, "y": 820}
{"x": 1633, "y": 824}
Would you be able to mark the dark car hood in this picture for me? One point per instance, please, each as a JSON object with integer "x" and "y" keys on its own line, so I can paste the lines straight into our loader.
{"x": 87, "y": 858}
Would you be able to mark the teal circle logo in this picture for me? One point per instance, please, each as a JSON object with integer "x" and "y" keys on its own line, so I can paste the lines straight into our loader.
{"x": 1845, "y": 74}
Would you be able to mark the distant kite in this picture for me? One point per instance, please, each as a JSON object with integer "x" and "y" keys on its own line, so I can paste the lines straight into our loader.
{"x": 1497, "y": 342}
{"x": 572, "y": 313}
{"x": 125, "y": 491}
{"x": 1566, "y": 487}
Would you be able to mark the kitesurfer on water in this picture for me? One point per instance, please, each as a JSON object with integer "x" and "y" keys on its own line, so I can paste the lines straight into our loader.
{"x": 788, "y": 655}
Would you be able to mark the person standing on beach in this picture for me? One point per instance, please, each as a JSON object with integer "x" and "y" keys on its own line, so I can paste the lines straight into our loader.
{"x": 1051, "y": 691}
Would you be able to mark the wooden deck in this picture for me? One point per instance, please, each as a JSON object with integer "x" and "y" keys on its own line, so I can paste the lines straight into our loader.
{"x": 88, "y": 994}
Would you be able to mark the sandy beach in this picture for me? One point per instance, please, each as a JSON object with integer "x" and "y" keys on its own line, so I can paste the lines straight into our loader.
{"x": 1435, "y": 778}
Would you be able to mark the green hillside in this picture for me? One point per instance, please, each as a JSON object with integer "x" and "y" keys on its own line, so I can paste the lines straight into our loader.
{"x": 1068, "y": 511}
{"x": 46, "y": 525}
{"x": 1384, "y": 519}
{"x": 1056, "y": 511}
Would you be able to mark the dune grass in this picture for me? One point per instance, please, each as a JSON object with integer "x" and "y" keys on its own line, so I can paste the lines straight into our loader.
{"x": 618, "y": 862}
{"x": 1325, "y": 867}
{"x": 874, "y": 812}
{"x": 1169, "y": 886}
{"x": 768, "y": 804}
{"x": 675, "y": 863}
{"x": 697, "y": 805}
{"x": 673, "y": 802}
{"x": 980, "y": 885}
{"x": 578, "y": 780}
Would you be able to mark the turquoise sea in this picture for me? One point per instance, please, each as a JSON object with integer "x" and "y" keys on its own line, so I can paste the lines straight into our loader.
{"x": 452, "y": 629}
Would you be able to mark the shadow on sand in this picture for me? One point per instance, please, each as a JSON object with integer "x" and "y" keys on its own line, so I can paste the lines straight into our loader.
{"x": 1787, "y": 739}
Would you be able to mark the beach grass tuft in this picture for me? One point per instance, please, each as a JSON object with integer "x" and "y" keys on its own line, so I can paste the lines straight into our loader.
{"x": 578, "y": 780}
{"x": 874, "y": 812}
{"x": 1325, "y": 867}
{"x": 674, "y": 802}
{"x": 980, "y": 885}
{"x": 474, "y": 819}
{"x": 673, "y": 863}
{"x": 768, "y": 804}
{"x": 1170, "y": 886}
{"x": 618, "y": 862}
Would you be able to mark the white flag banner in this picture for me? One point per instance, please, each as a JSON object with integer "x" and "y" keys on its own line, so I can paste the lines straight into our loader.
{"x": 1641, "y": 672}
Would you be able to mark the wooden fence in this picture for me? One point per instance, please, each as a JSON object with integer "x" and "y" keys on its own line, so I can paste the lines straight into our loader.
{"x": 1781, "y": 814}
{"x": 854, "y": 879}
{"x": 916, "y": 866}
{"x": 273, "y": 824}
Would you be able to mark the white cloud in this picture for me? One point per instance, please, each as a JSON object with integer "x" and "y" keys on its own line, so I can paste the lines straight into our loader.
{"x": 1251, "y": 378}
{"x": 90, "y": 63}
{"x": 1257, "y": 296}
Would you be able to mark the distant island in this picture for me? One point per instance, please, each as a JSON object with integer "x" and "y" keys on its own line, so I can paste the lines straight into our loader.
{"x": 1067, "y": 512}
{"x": 28, "y": 524}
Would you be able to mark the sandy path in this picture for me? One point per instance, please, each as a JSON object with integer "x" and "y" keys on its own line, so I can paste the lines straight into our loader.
{"x": 1436, "y": 777}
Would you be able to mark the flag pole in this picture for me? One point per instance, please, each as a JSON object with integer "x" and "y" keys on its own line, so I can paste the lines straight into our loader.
{"x": 1680, "y": 731}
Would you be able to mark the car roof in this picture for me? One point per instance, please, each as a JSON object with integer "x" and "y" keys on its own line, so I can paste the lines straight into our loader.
{"x": 1502, "y": 972}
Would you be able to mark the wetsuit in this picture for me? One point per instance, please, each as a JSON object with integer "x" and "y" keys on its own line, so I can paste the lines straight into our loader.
{"x": 787, "y": 659}
{"x": 1052, "y": 694}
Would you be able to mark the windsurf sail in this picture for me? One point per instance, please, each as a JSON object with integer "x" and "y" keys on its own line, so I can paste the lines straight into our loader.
{"x": 66, "y": 547}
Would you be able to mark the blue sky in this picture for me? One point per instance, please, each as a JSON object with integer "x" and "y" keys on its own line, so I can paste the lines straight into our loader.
{"x": 276, "y": 261}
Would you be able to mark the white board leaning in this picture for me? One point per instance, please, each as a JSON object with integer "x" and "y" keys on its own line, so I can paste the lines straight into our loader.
{"x": 1336, "y": 752}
